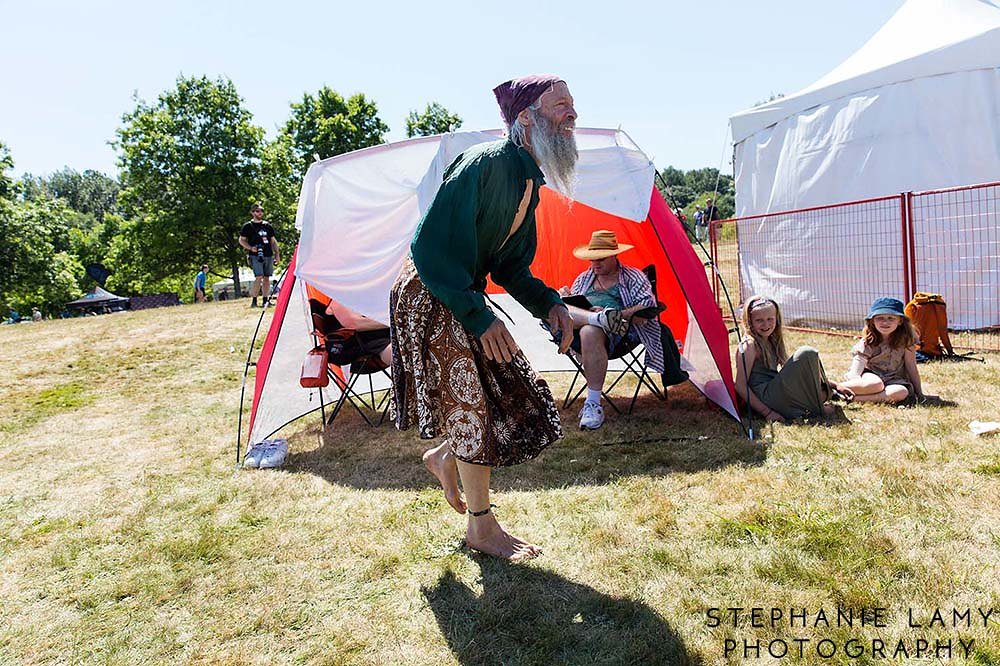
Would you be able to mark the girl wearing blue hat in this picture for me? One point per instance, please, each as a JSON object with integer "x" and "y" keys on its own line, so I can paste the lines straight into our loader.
{"x": 884, "y": 367}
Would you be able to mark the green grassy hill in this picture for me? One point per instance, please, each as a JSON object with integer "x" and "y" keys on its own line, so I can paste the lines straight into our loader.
{"x": 127, "y": 537}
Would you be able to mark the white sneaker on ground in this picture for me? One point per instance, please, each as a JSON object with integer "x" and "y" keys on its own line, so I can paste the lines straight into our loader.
{"x": 591, "y": 416}
{"x": 256, "y": 452}
{"x": 611, "y": 320}
{"x": 274, "y": 454}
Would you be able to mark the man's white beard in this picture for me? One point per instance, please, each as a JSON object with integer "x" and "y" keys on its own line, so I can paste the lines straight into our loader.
{"x": 556, "y": 153}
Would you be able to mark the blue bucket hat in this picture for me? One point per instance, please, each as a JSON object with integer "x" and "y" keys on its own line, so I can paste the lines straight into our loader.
{"x": 885, "y": 305}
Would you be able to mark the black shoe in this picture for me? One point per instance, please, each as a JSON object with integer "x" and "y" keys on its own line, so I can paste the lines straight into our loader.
{"x": 253, "y": 303}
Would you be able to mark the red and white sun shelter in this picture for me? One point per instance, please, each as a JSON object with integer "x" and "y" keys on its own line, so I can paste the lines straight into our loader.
{"x": 358, "y": 212}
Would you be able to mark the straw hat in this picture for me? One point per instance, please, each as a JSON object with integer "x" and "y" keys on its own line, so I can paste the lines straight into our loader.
{"x": 602, "y": 244}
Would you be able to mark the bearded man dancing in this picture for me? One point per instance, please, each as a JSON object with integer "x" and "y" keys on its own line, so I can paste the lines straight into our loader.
{"x": 457, "y": 371}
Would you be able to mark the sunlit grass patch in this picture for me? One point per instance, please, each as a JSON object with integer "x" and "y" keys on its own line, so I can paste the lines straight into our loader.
{"x": 990, "y": 469}
{"x": 23, "y": 410}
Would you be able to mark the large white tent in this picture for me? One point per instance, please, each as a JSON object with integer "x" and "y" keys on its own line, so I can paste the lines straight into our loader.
{"x": 917, "y": 107}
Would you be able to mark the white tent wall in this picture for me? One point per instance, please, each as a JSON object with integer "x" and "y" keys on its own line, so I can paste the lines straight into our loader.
{"x": 367, "y": 205}
{"x": 921, "y": 134}
{"x": 916, "y": 108}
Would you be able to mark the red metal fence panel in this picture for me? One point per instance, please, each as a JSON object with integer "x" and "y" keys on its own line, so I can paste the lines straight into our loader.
{"x": 826, "y": 264}
{"x": 956, "y": 253}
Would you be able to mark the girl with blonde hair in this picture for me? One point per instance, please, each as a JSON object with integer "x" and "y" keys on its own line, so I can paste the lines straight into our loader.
{"x": 777, "y": 386}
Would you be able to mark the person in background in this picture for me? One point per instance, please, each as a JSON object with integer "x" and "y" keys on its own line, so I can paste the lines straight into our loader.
{"x": 616, "y": 293}
{"x": 257, "y": 237}
{"x": 199, "y": 284}
{"x": 700, "y": 224}
{"x": 710, "y": 214}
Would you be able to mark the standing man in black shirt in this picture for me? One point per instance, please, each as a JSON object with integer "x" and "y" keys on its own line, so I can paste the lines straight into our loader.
{"x": 258, "y": 239}
{"x": 711, "y": 213}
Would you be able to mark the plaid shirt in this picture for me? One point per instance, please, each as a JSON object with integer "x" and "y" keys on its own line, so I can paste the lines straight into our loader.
{"x": 635, "y": 290}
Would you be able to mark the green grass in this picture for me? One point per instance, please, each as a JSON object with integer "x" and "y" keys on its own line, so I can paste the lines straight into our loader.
{"x": 27, "y": 407}
{"x": 126, "y": 536}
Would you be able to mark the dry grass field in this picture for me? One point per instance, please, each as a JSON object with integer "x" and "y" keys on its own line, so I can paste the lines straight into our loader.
{"x": 127, "y": 537}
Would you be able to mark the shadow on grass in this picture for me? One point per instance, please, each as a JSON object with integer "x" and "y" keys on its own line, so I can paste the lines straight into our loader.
{"x": 527, "y": 615}
{"x": 682, "y": 435}
{"x": 837, "y": 418}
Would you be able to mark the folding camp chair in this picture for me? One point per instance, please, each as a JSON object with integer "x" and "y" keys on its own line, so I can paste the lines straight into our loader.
{"x": 628, "y": 352}
{"x": 360, "y": 351}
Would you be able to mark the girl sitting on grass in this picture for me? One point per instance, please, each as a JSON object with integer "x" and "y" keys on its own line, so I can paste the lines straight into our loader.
{"x": 780, "y": 387}
{"x": 884, "y": 367}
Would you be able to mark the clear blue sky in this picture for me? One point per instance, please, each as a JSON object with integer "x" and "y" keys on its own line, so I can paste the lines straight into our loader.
{"x": 668, "y": 73}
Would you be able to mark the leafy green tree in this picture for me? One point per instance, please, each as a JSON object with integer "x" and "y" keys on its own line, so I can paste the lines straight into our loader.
{"x": 6, "y": 164}
{"x": 39, "y": 268}
{"x": 434, "y": 120}
{"x": 90, "y": 192}
{"x": 673, "y": 177}
{"x": 191, "y": 164}
{"x": 279, "y": 188}
{"x": 326, "y": 124}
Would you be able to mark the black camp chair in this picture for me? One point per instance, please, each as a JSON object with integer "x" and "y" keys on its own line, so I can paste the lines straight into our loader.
{"x": 360, "y": 351}
{"x": 628, "y": 352}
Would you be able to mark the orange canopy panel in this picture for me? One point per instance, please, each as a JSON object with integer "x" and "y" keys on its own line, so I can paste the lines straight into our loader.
{"x": 562, "y": 225}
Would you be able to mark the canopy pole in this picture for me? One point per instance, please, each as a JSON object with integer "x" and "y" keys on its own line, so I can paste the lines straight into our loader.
{"x": 249, "y": 364}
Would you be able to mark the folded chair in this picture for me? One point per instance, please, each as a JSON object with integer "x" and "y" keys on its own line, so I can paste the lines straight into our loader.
{"x": 629, "y": 353}
{"x": 360, "y": 350}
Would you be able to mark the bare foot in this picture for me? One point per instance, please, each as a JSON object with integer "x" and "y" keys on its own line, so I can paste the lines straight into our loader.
{"x": 485, "y": 535}
{"x": 440, "y": 462}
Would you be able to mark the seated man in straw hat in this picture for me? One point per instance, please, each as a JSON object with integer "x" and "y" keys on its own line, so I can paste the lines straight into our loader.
{"x": 616, "y": 293}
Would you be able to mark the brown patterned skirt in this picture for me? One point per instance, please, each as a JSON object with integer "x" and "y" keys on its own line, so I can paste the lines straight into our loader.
{"x": 494, "y": 414}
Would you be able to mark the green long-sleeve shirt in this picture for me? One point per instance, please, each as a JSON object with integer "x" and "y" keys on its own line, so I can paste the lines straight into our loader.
{"x": 458, "y": 242}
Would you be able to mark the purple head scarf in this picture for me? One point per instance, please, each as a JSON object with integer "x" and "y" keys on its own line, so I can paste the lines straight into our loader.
{"x": 516, "y": 95}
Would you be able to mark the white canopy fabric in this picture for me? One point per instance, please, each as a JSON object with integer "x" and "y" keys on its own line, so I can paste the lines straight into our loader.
{"x": 367, "y": 204}
{"x": 357, "y": 215}
{"x": 916, "y": 108}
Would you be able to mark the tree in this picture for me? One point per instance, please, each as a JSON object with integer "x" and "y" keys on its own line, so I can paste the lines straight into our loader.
{"x": 39, "y": 270}
{"x": 673, "y": 177}
{"x": 191, "y": 165}
{"x": 326, "y": 124}
{"x": 90, "y": 192}
{"x": 434, "y": 120}
{"x": 6, "y": 164}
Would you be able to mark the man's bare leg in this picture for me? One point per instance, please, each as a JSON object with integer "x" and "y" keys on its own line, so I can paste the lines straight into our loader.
{"x": 483, "y": 532}
{"x": 440, "y": 461}
{"x": 265, "y": 291}
{"x": 579, "y": 316}
{"x": 593, "y": 348}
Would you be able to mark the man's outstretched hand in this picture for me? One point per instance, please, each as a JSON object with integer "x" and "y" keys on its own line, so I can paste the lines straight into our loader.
{"x": 498, "y": 343}
{"x": 559, "y": 320}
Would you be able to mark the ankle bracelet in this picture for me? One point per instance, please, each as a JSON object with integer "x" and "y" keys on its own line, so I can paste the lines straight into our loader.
{"x": 481, "y": 513}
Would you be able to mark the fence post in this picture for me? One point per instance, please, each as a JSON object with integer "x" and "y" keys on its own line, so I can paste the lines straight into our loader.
{"x": 911, "y": 242}
{"x": 904, "y": 238}
{"x": 714, "y": 253}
